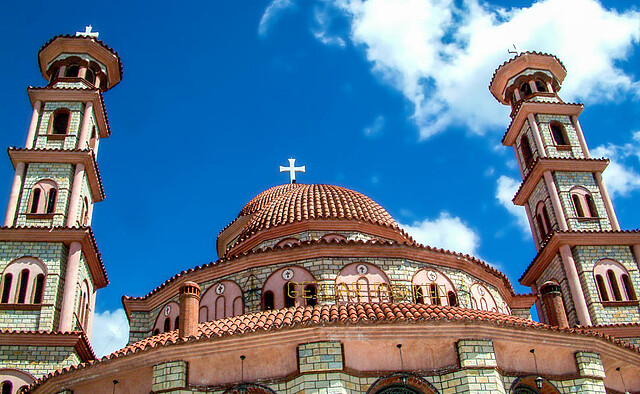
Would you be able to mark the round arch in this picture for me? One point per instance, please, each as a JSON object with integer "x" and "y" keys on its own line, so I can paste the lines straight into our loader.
{"x": 401, "y": 383}
{"x": 481, "y": 298}
{"x": 170, "y": 311}
{"x": 287, "y": 287}
{"x": 431, "y": 286}
{"x": 17, "y": 379}
{"x": 527, "y": 385}
{"x": 249, "y": 388}
{"x": 220, "y": 300}
{"x": 362, "y": 282}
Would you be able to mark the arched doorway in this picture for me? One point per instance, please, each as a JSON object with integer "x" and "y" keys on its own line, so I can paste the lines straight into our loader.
{"x": 401, "y": 383}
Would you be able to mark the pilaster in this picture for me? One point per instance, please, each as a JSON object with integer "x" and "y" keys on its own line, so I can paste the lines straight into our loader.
{"x": 169, "y": 376}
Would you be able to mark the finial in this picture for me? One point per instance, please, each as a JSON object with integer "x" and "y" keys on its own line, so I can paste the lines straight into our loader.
{"x": 292, "y": 169}
{"x": 87, "y": 32}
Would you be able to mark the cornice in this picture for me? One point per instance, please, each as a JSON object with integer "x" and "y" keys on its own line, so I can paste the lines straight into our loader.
{"x": 536, "y": 107}
{"x": 65, "y": 235}
{"x": 67, "y": 156}
{"x": 543, "y": 164}
{"x": 574, "y": 238}
{"x": 76, "y": 339}
{"x": 51, "y": 93}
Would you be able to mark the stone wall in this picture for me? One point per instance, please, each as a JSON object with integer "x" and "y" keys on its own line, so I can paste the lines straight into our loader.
{"x": 49, "y": 358}
{"x": 565, "y": 181}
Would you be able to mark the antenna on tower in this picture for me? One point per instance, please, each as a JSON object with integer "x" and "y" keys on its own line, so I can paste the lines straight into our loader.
{"x": 515, "y": 50}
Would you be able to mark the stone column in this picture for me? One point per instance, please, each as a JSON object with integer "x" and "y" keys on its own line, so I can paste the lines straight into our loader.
{"x": 86, "y": 121}
{"x": 74, "y": 200}
{"x": 63, "y": 70}
{"x": 70, "y": 284}
{"x": 97, "y": 81}
{"x": 168, "y": 376}
{"x": 82, "y": 72}
{"x": 33, "y": 126}
{"x": 537, "y": 137}
{"x": 583, "y": 142}
{"x": 189, "y": 309}
{"x": 575, "y": 286}
{"x": 555, "y": 201}
{"x": 591, "y": 371}
{"x": 12, "y": 207}
{"x": 608, "y": 205}
{"x": 478, "y": 363}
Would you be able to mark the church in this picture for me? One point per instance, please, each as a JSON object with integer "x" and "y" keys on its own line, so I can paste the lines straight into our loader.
{"x": 316, "y": 288}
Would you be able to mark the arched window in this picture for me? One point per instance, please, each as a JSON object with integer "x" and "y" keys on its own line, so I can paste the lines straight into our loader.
{"x": 167, "y": 325}
{"x": 268, "y": 302}
{"x": 613, "y": 281}
{"x": 541, "y": 86}
{"x": 54, "y": 74}
{"x": 528, "y": 385}
{"x": 167, "y": 315}
{"x": 542, "y": 220}
{"x": 6, "y": 287}
{"x": 481, "y": 298}
{"x": 60, "y": 124}
{"x": 84, "y": 305}
{"x": 525, "y": 89}
{"x": 559, "y": 133}
{"x": 453, "y": 300}
{"x": 90, "y": 76}
{"x": 7, "y": 387}
{"x": 220, "y": 300}
{"x": 23, "y": 283}
{"x": 156, "y": 332}
{"x": 177, "y": 323}
{"x": 39, "y": 289}
{"x": 43, "y": 197}
{"x": 432, "y": 287}
{"x": 525, "y": 149}
{"x": 72, "y": 71}
{"x": 583, "y": 203}
{"x": 362, "y": 282}
{"x": 287, "y": 287}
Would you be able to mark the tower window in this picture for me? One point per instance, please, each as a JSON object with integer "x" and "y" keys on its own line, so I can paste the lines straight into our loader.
{"x": 628, "y": 287}
{"x": 51, "y": 200}
{"x": 60, "y": 122}
{"x": 43, "y": 197}
{"x": 29, "y": 284}
{"x": 54, "y": 74}
{"x": 525, "y": 148}
{"x": 610, "y": 275}
{"x": 525, "y": 89}
{"x": 35, "y": 200}
{"x": 453, "y": 301}
{"x": 542, "y": 220}
{"x": 602, "y": 288}
{"x": 268, "y": 300}
{"x": 613, "y": 281}
{"x": 176, "y": 326}
{"x": 583, "y": 203}
{"x": 90, "y": 76}
{"x": 6, "y": 288}
{"x": 559, "y": 134}
{"x": 577, "y": 205}
{"x": 72, "y": 71}
{"x": 591, "y": 206}
{"x": 39, "y": 289}
{"x": 23, "y": 282}
{"x": 541, "y": 86}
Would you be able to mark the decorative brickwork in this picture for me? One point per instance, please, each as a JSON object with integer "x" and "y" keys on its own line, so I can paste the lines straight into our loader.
{"x": 544, "y": 122}
{"x": 320, "y": 356}
{"x": 170, "y": 375}
{"x": 476, "y": 353}
{"x": 589, "y": 365}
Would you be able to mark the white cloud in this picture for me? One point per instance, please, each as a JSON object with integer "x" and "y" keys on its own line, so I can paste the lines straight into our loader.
{"x": 620, "y": 179}
{"x": 271, "y": 14}
{"x": 375, "y": 127}
{"x": 506, "y": 189}
{"x": 323, "y": 20}
{"x": 441, "y": 54}
{"x": 445, "y": 232}
{"x": 110, "y": 332}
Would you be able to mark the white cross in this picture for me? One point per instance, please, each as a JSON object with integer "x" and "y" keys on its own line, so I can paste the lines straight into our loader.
{"x": 292, "y": 169}
{"x": 87, "y": 32}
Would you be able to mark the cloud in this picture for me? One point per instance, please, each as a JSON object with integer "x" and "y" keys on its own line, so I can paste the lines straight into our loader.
{"x": 619, "y": 178}
{"x": 110, "y": 332}
{"x": 445, "y": 232}
{"x": 322, "y": 26}
{"x": 441, "y": 54}
{"x": 506, "y": 189}
{"x": 375, "y": 127}
{"x": 271, "y": 14}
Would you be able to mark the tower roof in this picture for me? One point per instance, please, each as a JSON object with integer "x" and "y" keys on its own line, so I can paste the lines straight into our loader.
{"x": 521, "y": 62}
{"x": 81, "y": 44}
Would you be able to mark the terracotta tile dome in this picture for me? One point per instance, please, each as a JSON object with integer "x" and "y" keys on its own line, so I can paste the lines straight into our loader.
{"x": 297, "y": 202}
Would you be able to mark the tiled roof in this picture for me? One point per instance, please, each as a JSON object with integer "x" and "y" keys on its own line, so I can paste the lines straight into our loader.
{"x": 84, "y": 38}
{"x": 84, "y": 347}
{"x": 325, "y": 315}
{"x": 521, "y": 55}
{"x": 309, "y": 202}
{"x": 346, "y": 243}
{"x": 266, "y": 197}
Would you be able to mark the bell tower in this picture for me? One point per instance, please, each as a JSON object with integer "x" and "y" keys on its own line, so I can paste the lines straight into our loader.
{"x": 51, "y": 267}
{"x": 586, "y": 269}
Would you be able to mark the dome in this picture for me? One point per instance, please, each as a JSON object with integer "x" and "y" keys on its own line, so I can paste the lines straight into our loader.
{"x": 263, "y": 199}
{"x": 298, "y": 202}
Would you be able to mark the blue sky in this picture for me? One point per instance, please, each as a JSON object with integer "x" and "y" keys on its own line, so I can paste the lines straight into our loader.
{"x": 388, "y": 98}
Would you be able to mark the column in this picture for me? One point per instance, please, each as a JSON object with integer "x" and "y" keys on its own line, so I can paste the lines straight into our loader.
{"x": 533, "y": 229}
{"x": 70, "y": 284}
{"x": 575, "y": 286}
{"x": 82, "y": 72}
{"x": 72, "y": 211}
{"x": 608, "y": 205}
{"x": 536, "y": 135}
{"x": 15, "y": 194}
{"x": 86, "y": 121}
{"x": 515, "y": 150}
{"x": 63, "y": 70}
{"x": 583, "y": 142}
{"x": 171, "y": 375}
{"x": 31, "y": 136}
{"x": 555, "y": 201}
{"x": 97, "y": 81}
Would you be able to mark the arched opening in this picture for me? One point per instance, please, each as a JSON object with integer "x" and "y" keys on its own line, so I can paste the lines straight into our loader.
{"x": 7, "y": 387}
{"x": 289, "y": 295}
{"x": 418, "y": 295}
{"x": 268, "y": 303}
{"x": 60, "y": 122}
{"x": 628, "y": 287}
{"x": 311, "y": 295}
{"x": 433, "y": 287}
{"x": 591, "y": 206}
{"x": 35, "y": 200}
{"x": 23, "y": 282}
{"x": 53, "y": 74}
{"x": 287, "y": 285}
{"x": 156, "y": 331}
{"x": 167, "y": 325}
{"x": 38, "y": 292}
{"x": 43, "y": 197}
{"x": 541, "y": 86}
{"x": 614, "y": 285}
{"x": 559, "y": 134}
{"x": 481, "y": 298}
{"x": 602, "y": 288}
{"x": 51, "y": 200}
{"x": 525, "y": 89}
{"x": 525, "y": 148}
{"x": 610, "y": 275}
{"x": 6, "y": 287}
{"x": 177, "y": 323}
{"x": 72, "y": 71}
{"x": 90, "y": 76}
{"x": 401, "y": 383}
{"x": 453, "y": 300}
{"x": 249, "y": 388}
{"x": 434, "y": 294}
{"x": 577, "y": 205}
{"x": 529, "y": 385}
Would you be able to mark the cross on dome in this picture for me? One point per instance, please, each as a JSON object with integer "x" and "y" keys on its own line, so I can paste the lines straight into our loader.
{"x": 292, "y": 169}
{"x": 87, "y": 32}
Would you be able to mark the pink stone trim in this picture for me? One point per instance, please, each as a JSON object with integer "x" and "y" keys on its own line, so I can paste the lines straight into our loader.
{"x": 536, "y": 135}
{"x": 75, "y": 195}
{"x": 15, "y": 193}
{"x": 31, "y": 136}
{"x": 636, "y": 254}
{"x": 515, "y": 149}
{"x": 608, "y": 205}
{"x": 532, "y": 227}
{"x": 86, "y": 121}
{"x": 575, "y": 286}
{"x": 555, "y": 201}
{"x": 70, "y": 283}
{"x": 581, "y": 139}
